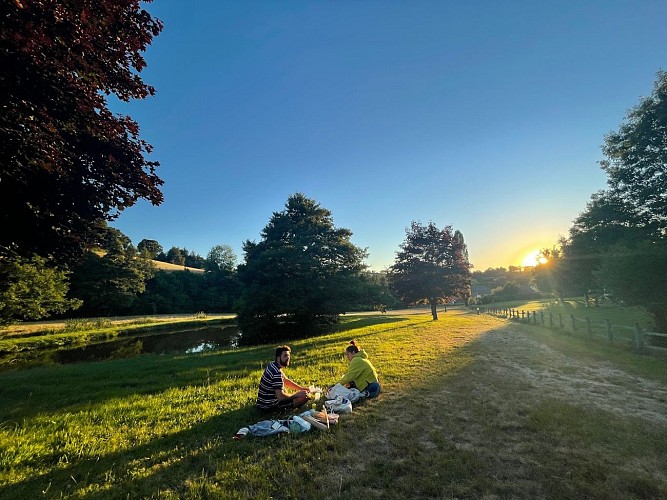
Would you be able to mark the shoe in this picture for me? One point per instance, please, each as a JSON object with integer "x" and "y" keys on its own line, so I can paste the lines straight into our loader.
{"x": 365, "y": 394}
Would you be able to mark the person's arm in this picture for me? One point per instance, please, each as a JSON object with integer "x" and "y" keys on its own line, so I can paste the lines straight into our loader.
{"x": 283, "y": 396}
{"x": 293, "y": 385}
{"x": 353, "y": 372}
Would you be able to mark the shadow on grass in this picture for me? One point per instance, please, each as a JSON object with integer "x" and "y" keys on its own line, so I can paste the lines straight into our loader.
{"x": 51, "y": 388}
{"x": 171, "y": 461}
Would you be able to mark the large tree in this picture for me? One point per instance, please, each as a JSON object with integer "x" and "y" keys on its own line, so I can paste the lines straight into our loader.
{"x": 303, "y": 273}
{"x": 636, "y": 160}
{"x": 109, "y": 280}
{"x": 66, "y": 161}
{"x": 616, "y": 242}
{"x": 432, "y": 265}
{"x": 32, "y": 289}
{"x": 635, "y": 273}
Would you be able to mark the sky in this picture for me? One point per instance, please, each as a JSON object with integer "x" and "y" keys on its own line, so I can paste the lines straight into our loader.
{"x": 487, "y": 116}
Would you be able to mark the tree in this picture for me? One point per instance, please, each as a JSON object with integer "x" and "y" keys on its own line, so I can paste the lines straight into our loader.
{"x": 66, "y": 161}
{"x": 432, "y": 265}
{"x": 635, "y": 273}
{"x": 149, "y": 248}
{"x": 219, "y": 258}
{"x": 175, "y": 256}
{"x": 636, "y": 160}
{"x": 32, "y": 289}
{"x": 301, "y": 275}
{"x": 633, "y": 208}
{"x": 109, "y": 280}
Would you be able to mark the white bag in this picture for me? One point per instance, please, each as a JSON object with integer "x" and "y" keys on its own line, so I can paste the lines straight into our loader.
{"x": 339, "y": 405}
{"x": 340, "y": 390}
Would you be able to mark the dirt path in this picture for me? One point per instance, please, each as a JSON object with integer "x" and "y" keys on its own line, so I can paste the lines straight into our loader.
{"x": 502, "y": 423}
{"x": 543, "y": 370}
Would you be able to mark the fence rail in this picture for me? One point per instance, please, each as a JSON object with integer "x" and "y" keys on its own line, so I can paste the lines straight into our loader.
{"x": 641, "y": 340}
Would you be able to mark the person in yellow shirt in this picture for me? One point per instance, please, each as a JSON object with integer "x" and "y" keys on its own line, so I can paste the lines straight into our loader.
{"x": 361, "y": 374}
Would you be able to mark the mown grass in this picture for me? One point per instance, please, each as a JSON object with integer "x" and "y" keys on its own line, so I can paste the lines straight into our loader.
{"x": 446, "y": 425}
{"x": 617, "y": 314}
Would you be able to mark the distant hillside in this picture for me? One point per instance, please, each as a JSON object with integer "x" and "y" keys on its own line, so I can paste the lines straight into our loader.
{"x": 166, "y": 266}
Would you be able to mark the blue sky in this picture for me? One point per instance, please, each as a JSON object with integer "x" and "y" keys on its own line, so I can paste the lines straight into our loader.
{"x": 485, "y": 115}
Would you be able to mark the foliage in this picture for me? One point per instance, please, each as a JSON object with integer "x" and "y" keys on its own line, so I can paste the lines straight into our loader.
{"x": 108, "y": 284}
{"x": 636, "y": 275}
{"x": 636, "y": 161}
{"x": 432, "y": 265}
{"x": 67, "y": 162}
{"x": 220, "y": 258}
{"x": 32, "y": 289}
{"x": 182, "y": 257}
{"x": 301, "y": 275}
{"x": 632, "y": 209}
{"x": 149, "y": 248}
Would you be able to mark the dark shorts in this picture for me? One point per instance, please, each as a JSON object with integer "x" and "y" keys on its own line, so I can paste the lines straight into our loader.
{"x": 281, "y": 405}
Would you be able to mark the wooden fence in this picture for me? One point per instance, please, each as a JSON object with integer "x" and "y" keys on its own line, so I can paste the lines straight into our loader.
{"x": 641, "y": 340}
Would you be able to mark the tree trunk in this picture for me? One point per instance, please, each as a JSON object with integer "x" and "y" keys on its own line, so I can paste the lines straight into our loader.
{"x": 434, "y": 310}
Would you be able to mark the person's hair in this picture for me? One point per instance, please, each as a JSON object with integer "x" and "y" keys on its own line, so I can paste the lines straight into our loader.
{"x": 353, "y": 347}
{"x": 282, "y": 349}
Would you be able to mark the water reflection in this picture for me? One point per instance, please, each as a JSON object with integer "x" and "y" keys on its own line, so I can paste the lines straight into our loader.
{"x": 190, "y": 341}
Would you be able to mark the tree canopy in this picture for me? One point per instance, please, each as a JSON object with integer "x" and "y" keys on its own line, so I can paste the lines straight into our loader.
{"x": 636, "y": 160}
{"x": 303, "y": 273}
{"x": 66, "y": 161}
{"x": 32, "y": 289}
{"x": 618, "y": 240}
{"x": 432, "y": 265}
{"x": 110, "y": 279}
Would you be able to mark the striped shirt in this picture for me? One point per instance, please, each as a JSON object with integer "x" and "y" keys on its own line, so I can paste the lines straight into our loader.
{"x": 272, "y": 380}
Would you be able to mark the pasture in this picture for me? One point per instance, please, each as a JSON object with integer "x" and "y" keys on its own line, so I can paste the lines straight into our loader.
{"x": 472, "y": 407}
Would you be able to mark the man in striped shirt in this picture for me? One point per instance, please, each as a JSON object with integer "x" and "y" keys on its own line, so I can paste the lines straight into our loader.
{"x": 271, "y": 395}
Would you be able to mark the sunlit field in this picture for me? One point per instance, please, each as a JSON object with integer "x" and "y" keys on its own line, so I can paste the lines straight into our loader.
{"x": 472, "y": 406}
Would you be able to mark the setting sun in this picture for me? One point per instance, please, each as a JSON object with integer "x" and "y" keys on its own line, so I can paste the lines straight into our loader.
{"x": 532, "y": 259}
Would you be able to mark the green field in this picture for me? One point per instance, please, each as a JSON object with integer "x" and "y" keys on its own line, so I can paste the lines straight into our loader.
{"x": 472, "y": 407}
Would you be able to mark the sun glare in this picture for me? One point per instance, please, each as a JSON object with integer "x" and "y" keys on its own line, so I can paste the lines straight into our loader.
{"x": 532, "y": 259}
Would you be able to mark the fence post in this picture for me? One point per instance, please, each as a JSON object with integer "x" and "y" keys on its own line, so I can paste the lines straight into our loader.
{"x": 574, "y": 323}
{"x": 639, "y": 339}
{"x": 607, "y": 325}
{"x": 551, "y": 320}
{"x": 560, "y": 320}
{"x": 588, "y": 325}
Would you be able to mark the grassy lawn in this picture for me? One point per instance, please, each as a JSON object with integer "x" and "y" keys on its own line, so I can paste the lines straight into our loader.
{"x": 473, "y": 407}
{"x": 616, "y": 314}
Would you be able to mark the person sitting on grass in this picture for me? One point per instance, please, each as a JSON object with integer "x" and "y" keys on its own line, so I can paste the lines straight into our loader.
{"x": 361, "y": 373}
{"x": 271, "y": 395}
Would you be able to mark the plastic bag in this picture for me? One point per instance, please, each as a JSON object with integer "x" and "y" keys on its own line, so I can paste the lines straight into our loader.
{"x": 340, "y": 390}
{"x": 339, "y": 405}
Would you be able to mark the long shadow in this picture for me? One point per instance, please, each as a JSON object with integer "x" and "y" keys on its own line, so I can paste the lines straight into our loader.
{"x": 184, "y": 455}
{"x": 28, "y": 393}
{"x": 178, "y": 449}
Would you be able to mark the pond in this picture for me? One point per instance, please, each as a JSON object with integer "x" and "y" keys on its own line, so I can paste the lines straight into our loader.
{"x": 172, "y": 342}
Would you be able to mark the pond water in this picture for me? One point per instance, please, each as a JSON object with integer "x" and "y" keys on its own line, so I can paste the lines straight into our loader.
{"x": 173, "y": 342}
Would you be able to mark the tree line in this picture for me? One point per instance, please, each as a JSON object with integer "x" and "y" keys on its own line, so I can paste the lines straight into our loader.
{"x": 69, "y": 166}
{"x": 617, "y": 247}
